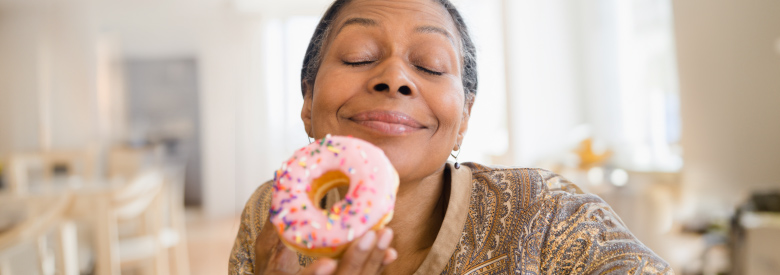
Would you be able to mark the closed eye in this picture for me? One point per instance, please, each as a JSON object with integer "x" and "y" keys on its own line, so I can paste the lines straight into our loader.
{"x": 428, "y": 70}
{"x": 363, "y": 63}
{"x": 357, "y": 64}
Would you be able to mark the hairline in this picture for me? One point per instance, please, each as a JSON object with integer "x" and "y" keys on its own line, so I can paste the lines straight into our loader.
{"x": 368, "y": 22}
{"x": 466, "y": 46}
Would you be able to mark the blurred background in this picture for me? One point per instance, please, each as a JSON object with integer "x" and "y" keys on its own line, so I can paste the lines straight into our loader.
{"x": 133, "y": 132}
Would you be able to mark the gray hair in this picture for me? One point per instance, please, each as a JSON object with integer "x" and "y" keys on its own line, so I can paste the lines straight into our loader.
{"x": 313, "y": 58}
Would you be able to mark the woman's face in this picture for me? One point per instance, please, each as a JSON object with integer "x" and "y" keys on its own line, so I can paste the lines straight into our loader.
{"x": 391, "y": 75}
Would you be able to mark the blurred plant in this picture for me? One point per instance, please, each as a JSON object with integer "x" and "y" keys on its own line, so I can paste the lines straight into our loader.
{"x": 590, "y": 158}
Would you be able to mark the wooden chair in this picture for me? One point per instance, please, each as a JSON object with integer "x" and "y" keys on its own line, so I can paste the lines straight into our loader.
{"x": 150, "y": 242}
{"x": 46, "y": 216}
{"x": 135, "y": 225}
{"x": 175, "y": 221}
{"x": 23, "y": 169}
{"x": 125, "y": 162}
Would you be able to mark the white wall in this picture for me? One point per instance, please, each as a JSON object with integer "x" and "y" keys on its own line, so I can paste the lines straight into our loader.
{"x": 18, "y": 88}
{"x": 46, "y": 60}
{"x": 224, "y": 43}
{"x": 542, "y": 80}
{"x": 226, "y": 57}
{"x": 240, "y": 143}
{"x": 730, "y": 97}
{"x": 54, "y": 49}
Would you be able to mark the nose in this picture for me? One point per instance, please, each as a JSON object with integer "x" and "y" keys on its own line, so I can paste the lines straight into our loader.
{"x": 393, "y": 79}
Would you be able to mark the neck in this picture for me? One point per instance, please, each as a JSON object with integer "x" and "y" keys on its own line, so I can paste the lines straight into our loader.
{"x": 420, "y": 207}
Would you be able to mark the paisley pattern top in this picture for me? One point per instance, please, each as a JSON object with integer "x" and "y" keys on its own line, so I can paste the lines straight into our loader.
{"x": 517, "y": 220}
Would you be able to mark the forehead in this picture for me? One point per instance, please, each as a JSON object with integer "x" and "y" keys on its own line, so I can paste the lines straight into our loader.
{"x": 414, "y": 12}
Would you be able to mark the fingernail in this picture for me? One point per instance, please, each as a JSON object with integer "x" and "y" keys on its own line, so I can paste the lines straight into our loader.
{"x": 390, "y": 256}
{"x": 384, "y": 241}
{"x": 367, "y": 241}
{"x": 326, "y": 268}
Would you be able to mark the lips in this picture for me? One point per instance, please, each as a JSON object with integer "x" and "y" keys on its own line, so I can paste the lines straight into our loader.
{"x": 388, "y": 122}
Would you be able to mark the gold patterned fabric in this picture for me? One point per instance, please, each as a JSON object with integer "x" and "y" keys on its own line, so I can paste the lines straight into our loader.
{"x": 503, "y": 220}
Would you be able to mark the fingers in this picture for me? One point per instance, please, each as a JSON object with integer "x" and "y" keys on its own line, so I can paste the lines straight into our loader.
{"x": 284, "y": 261}
{"x": 375, "y": 261}
{"x": 390, "y": 256}
{"x": 271, "y": 256}
{"x": 356, "y": 254}
{"x": 369, "y": 254}
{"x": 322, "y": 266}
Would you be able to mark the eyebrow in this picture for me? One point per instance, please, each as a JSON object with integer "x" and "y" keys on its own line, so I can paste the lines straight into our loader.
{"x": 434, "y": 29}
{"x": 366, "y": 22}
{"x": 360, "y": 21}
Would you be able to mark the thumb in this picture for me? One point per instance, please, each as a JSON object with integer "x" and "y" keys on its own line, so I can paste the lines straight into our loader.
{"x": 265, "y": 246}
{"x": 271, "y": 256}
{"x": 283, "y": 260}
{"x": 322, "y": 266}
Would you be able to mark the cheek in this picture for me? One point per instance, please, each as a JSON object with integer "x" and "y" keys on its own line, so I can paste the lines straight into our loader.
{"x": 448, "y": 107}
{"x": 334, "y": 81}
{"x": 331, "y": 91}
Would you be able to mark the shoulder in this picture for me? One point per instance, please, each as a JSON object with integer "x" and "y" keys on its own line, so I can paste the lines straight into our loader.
{"x": 537, "y": 196}
{"x": 255, "y": 211}
{"x": 253, "y": 217}
{"x": 584, "y": 234}
{"x": 573, "y": 232}
{"x": 511, "y": 210}
{"x": 532, "y": 183}
{"x": 258, "y": 204}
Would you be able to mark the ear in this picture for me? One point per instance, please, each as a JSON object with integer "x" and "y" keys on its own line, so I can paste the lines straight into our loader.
{"x": 464, "y": 123}
{"x": 306, "y": 109}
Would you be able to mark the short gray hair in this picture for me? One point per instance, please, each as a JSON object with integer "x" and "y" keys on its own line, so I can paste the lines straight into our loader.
{"x": 313, "y": 58}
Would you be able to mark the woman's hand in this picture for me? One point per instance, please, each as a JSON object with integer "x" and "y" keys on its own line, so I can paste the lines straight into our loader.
{"x": 367, "y": 255}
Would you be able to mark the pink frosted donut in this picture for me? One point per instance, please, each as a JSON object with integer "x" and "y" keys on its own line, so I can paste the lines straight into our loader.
{"x": 310, "y": 173}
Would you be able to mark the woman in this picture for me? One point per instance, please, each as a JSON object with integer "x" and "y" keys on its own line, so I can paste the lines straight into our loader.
{"x": 402, "y": 75}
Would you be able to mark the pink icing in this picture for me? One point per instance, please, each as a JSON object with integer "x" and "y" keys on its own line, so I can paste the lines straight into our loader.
{"x": 371, "y": 195}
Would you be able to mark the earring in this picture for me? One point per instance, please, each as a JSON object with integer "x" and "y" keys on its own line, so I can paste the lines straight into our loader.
{"x": 457, "y": 164}
{"x": 308, "y": 137}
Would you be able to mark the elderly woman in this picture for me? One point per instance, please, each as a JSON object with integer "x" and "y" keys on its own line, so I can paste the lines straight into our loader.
{"x": 402, "y": 75}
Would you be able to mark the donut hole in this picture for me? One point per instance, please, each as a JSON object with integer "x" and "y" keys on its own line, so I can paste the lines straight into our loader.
{"x": 330, "y": 180}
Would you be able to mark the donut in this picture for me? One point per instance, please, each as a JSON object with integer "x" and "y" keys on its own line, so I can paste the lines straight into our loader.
{"x": 304, "y": 180}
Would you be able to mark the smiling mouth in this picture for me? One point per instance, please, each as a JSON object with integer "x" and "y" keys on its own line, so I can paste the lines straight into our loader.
{"x": 388, "y": 122}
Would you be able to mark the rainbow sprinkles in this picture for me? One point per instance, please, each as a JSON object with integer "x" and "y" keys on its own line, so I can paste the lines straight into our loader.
{"x": 368, "y": 204}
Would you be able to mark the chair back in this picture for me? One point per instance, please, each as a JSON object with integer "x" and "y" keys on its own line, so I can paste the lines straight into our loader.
{"x": 136, "y": 197}
{"x": 125, "y": 163}
{"x": 46, "y": 216}
{"x": 25, "y": 169}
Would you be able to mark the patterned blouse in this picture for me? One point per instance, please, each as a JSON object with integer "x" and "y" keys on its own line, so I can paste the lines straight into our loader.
{"x": 517, "y": 220}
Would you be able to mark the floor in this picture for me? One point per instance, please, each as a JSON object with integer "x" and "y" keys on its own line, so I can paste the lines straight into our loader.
{"x": 209, "y": 242}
